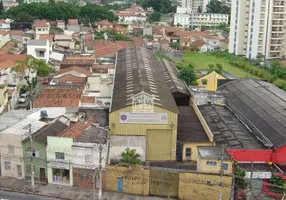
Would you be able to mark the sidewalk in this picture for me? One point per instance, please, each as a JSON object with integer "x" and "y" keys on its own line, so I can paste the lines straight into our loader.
{"x": 64, "y": 192}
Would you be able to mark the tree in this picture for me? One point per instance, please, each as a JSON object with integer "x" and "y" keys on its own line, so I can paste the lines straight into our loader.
{"x": 1, "y": 7}
{"x": 239, "y": 176}
{"x": 199, "y": 9}
{"x": 204, "y": 81}
{"x": 24, "y": 17}
{"x": 211, "y": 68}
{"x": 163, "y": 6}
{"x": 174, "y": 45}
{"x": 279, "y": 184}
{"x": 277, "y": 69}
{"x": 130, "y": 157}
{"x": 216, "y": 6}
{"x": 188, "y": 75}
{"x": 41, "y": 67}
{"x": 155, "y": 17}
{"x": 218, "y": 68}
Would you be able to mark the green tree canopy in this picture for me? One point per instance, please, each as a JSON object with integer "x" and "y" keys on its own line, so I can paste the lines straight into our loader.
{"x": 216, "y": 6}
{"x": 188, "y": 75}
{"x": 130, "y": 157}
{"x": 61, "y": 10}
{"x": 155, "y": 17}
{"x": 163, "y": 6}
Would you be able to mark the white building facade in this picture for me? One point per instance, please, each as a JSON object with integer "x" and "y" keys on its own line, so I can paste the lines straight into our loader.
{"x": 258, "y": 27}
{"x": 195, "y": 4}
{"x": 39, "y": 49}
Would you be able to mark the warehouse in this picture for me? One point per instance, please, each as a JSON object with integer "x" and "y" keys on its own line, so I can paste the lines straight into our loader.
{"x": 143, "y": 113}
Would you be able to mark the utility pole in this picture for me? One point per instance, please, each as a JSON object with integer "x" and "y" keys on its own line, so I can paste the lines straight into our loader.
{"x": 31, "y": 156}
{"x": 250, "y": 185}
{"x": 102, "y": 138}
{"x": 221, "y": 155}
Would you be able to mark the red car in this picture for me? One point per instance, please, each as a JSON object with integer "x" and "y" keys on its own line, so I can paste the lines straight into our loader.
{"x": 45, "y": 81}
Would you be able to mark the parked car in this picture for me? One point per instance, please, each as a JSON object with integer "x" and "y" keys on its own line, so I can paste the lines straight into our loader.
{"x": 23, "y": 98}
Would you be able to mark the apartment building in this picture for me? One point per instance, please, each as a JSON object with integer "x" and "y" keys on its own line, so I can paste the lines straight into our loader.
{"x": 195, "y": 4}
{"x": 258, "y": 27}
{"x": 200, "y": 19}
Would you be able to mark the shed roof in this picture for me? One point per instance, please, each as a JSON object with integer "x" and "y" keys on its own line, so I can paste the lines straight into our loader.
{"x": 91, "y": 135}
{"x": 137, "y": 71}
{"x": 171, "y": 74}
{"x": 212, "y": 152}
{"x": 37, "y": 42}
{"x": 51, "y": 129}
{"x": 262, "y": 104}
{"x": 190, "y": 128}
{"x": 227, "y": 129}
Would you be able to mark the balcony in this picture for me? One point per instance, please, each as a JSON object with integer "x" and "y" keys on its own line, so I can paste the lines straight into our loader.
{"x": 277, "y": 23}
{"x": 279, "y": 10}
{"x": 277, "y": 36}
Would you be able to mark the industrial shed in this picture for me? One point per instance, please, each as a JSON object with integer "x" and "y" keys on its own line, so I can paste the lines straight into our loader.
{"x": 262, "y": 106}
{"x": 152, "y": 134}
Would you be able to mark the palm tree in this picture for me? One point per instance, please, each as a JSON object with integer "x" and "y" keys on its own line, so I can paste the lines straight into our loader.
{"x": 130, "y": 157}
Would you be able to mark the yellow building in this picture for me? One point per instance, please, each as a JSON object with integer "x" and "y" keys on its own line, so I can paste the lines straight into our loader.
{"x": 209, "y": 160}
{"x": 191, "y": 133}
{"x": 201, "y": 186}
{"x": 211, "y": 81}
{"x": 143, "y": 113}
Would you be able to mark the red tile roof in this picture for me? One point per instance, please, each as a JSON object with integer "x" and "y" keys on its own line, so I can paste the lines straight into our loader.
{"x": 125, "y": 14}
{"x": 95, "y": 67}
{"x": 46, "y": 37}
{"x": 163, "y": 41}
{"x": 74, "y": 68}
{"x": 5, "y": 49}
{"x": 199, "y": 43}
{"x": 76, "y": 130}
{"x": 12, "y": 57}
{"x": 70, "y": 79}
{"x": 119, "y": 28}
{"x": 88, "y": 99}
{"x": 7, "y": 64}
{"x": 104, "y": 22}
{"x": 73, "y": 21}
{"x": 135, "y": 26}
{"x": 41, "y": 23}
{"x": 80, "y": 58}
{"x": 58, "y": 98}
{"x": 105, "y": 48}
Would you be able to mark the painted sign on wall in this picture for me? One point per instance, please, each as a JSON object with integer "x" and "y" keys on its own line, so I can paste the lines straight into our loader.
{"x": 143, "y": 118}
{"x": 259, "y": 175}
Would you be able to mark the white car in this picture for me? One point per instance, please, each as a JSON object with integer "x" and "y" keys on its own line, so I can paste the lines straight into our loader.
{"x": 23, "y": 98}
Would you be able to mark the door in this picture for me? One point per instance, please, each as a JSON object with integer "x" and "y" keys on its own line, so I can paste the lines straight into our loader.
{"x": 188, "y": 154}
{"x": 19, "y": 170}
{"x": 119, "y": 184}
{"x": 42, "y": 174}
{"x": 159, "y": 144}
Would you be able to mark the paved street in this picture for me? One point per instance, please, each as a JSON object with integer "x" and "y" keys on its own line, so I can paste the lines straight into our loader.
{"x": 18, "y": 196}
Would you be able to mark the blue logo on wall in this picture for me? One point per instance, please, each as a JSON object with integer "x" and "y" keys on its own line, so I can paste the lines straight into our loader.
{"x": 123, "y": 117}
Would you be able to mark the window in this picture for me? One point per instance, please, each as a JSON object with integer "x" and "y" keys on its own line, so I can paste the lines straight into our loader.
{"x": 211, "y": 163}
{"x": 60, "y": 155}
{"x": 41, "y": 54}
{"x": 33, "y": 153}
{"x": 89, "y": 48}
{"x": 225, "y": 166}
{"x": 7, "y": 165}
{"x": 88, "y": 158}
{"x": 39, "y": 29}
{"x": 11, "y": 149}
{"x": 188, "y": 152}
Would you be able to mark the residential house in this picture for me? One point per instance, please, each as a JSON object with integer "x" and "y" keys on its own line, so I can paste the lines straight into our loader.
{"x": 10, "y": 75}
{"x": 16, "y": 126}
{"x": 71, "y": 76}
{"x": 61, "y": 97}
{"x": 145, "y": 135}
{"x": 64, "y": 41}
{"x": 61, "y": 24}
{"x": 104, "y": 24}
{"x": 210, "y": 81}
{"x": 42, "y": 26}
{"x": 14, "y": 34}
{"x": 86, "y": 155}
{"x": 55, "y": 59}
{"x": 38, "y": 150}
{"x": 3, "y": 97}
{"x": 131, "y": 15}
{"x": 73, "y": 25}
{"x": 39, "y": 49}
{"x": 85, "y": 62}
{"x": 88, "y": 43}
{"x": 157, "y": 35}
{"x": 60, "y": 153}
{"x": 5, "y": 25}
{"x": 4, "y": 39}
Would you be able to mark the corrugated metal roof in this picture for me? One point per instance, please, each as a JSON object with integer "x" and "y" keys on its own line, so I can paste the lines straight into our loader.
{"x": 190, "y": 128}
{"x": 171, "y": 74}
{"x": 137, "y": 70}
{"x": 261, "y": 104}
